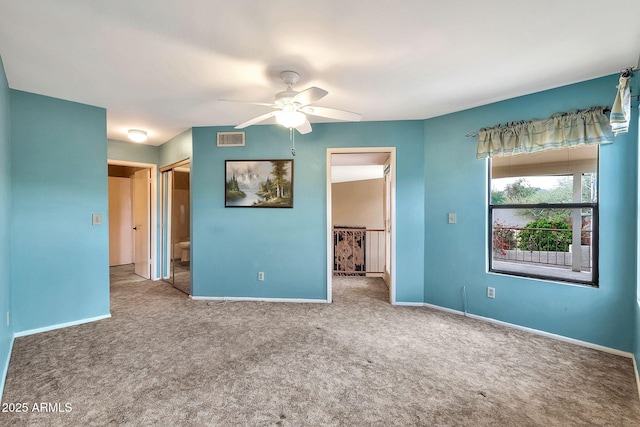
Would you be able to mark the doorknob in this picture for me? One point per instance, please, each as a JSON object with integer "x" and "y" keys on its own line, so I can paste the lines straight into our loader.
{"x": 135, "y": 228}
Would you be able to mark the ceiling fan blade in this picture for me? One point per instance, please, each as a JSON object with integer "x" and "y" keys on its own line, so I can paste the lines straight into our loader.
{"x": 256, "y": 120}
{"x": 332, "y": 113}
{"x": 264, "y": 104}
{"x": 305, "y": 127}
{"x": 309, "y": 96}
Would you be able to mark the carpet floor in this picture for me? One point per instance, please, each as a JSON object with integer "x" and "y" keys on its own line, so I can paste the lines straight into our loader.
{"x": 164, "y": 359}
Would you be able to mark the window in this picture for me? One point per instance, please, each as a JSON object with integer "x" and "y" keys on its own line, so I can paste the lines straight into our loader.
{"x": 543, "y": 213}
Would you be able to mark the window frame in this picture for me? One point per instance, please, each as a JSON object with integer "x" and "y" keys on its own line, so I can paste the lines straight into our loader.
{"x": 595, "y": 236}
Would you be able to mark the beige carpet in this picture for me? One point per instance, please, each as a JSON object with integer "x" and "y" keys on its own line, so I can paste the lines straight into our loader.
{"x": 163, "y": 359}
{"x": 182, "y": 276}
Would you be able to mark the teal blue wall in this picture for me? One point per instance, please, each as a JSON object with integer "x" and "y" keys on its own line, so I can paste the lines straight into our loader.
{"x": 231, "y": 245}
{"x": 6, "y": 332}
{"x": 59, "y": 171}
{"x": 636, "y": 325}
{"x": 178, "y": 148}
{"x": 455, "y": 254}
{"x": 54, "y": 263}
{"x": 131, "y": 152}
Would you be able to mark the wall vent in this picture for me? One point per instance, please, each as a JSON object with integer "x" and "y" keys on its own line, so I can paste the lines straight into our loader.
{"x": 230, "y": 139}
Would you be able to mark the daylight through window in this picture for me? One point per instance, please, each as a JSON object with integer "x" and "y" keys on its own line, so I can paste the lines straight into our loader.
{"x": 543, "y": 214}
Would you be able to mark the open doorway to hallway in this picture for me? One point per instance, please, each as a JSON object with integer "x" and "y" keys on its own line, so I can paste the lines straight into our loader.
{"x": 132, "y": 216}
{"x": 361, "y": 215}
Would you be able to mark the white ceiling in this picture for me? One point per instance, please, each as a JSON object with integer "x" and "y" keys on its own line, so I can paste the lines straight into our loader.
{"x": 162, "y": 65}
{"x": 359, "y": 159}
{"x": 347, "y": 167}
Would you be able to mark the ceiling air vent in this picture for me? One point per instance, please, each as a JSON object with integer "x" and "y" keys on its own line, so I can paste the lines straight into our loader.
{"x": 230, "y": 139}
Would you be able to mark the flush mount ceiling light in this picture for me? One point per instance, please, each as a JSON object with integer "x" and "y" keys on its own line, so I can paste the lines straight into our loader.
{"x": 137, "y": 135}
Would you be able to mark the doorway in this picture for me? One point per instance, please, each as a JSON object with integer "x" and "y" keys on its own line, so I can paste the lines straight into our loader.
{"x": 132, "y": 218}
{"x": 176, "y": 225}
{"x": 374, "y": 167}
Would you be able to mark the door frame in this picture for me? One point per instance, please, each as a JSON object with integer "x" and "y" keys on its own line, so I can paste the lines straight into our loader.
{"x": 141, "y": 192}
{"x": 153, "y": 202}
{"x": 166, "y": 251}
{"x": 392, "y": 200}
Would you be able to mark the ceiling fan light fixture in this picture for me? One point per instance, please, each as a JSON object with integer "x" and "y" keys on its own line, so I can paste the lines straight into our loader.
{"x": 291, "y": 108}
{"x": 290, "y": 119}
{"x": 137, "y": 135}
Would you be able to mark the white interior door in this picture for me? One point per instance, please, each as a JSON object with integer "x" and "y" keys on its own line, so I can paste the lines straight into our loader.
{"x": 387, "y": 232}
{"x": 141, "y": 220}
{"x": 120, "y": 221}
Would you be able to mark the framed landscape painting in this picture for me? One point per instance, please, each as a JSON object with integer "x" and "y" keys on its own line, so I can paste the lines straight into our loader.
{"x": 258, "y": 183}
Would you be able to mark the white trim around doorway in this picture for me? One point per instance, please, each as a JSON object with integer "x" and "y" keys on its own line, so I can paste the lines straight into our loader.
{"x": 392, "y": 175}
{"x": 153, "y": 225}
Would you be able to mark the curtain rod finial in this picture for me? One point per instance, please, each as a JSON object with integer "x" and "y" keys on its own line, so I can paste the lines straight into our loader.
{"x": 626, "y": 72}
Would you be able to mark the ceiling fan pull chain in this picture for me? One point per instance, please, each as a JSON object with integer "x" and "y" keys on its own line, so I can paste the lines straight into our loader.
{"x": 292, "y": 137}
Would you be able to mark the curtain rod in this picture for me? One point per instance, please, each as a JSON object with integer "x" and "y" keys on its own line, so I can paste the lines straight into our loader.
{"x": 628, "y": 72}
{"x": 475, "y": 133}
{"x": 625, "y": 72}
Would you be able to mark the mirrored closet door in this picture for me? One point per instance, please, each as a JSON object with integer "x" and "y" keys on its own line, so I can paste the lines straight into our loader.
{"x": 176, "y": 225}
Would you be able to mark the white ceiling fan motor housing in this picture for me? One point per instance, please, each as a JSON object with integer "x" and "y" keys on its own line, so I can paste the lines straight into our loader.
{"x": 290, "y": 77}
{"x": 284, "y": 98}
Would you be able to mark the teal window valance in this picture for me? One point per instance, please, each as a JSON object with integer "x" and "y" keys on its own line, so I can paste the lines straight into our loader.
{"x": 561, "y": 130}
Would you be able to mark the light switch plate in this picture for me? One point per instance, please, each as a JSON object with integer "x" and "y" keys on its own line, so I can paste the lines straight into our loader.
{"x": 96, "y": 219}
{"x": 452, "y": 217}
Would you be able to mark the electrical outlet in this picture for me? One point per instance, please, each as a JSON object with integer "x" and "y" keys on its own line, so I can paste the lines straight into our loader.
{"x": 491, "y": 292}
{"x": 452, "y": 218}
{"x": 260, "y": 275}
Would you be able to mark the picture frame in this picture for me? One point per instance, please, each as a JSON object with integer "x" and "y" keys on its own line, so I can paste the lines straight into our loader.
{"x": 258, "y": 183}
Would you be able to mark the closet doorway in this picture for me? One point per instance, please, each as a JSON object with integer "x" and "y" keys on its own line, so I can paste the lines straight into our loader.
{"x": 176, "y": 225}
{"x": 132, "y": 219}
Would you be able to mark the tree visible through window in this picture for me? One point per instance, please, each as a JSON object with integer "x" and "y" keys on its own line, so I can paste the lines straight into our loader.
{"x": 543, "y": 212}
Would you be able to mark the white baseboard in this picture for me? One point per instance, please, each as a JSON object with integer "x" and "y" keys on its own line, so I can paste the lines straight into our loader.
{"x": 554, "y": 336}
{"x": 409, "y": 304}
{"x": 548, "y": 335}
{"x": 448, "y": 310}
{"x": 60, "y": 325}
{"x": 5, "y": 368}
{"x": 252, "y": 299}
{"x": 537, "y": 332}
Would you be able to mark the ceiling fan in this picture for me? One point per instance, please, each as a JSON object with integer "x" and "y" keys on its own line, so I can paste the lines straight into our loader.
{"x": 290, "y": 108}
